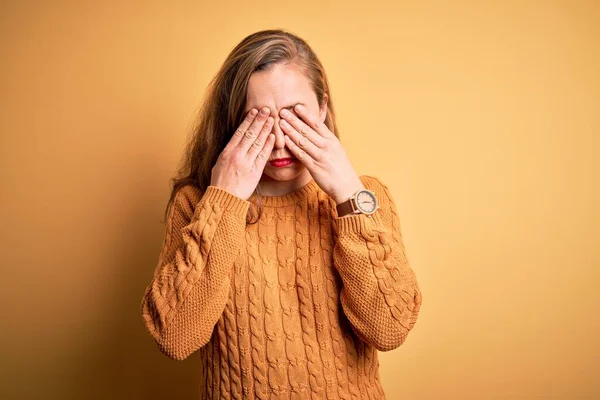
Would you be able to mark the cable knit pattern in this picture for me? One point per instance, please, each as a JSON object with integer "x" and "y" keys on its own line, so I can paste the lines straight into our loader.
{"x": 382, "y": 303}
{"x": 307, "y": 308}
{"x": 243, "y": 324}
{"x": 232, "y": 349}
{"x": 318, "y": 286}
{"x": 293, "y": 307}
{"x": 273, "y": 321}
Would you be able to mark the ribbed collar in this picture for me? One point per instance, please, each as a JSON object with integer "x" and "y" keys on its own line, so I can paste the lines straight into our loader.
{"x": 308, "y": 190}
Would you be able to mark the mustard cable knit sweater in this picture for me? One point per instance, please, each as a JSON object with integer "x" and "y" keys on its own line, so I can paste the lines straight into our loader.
{"x": 295, "y": 306}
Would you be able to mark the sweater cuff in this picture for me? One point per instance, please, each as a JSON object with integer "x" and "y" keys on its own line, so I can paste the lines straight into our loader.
{"x": 356, "y": 223}
{"x": 235, "y": 205}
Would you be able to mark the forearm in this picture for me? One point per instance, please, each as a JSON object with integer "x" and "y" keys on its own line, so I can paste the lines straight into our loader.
{"x": 380, "y": 294}
{"x": 191, "y": 283}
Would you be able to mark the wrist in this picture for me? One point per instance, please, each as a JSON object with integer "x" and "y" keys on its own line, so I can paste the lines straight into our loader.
{"x": 347, "y": 192}
{"x": 345, "y": 214}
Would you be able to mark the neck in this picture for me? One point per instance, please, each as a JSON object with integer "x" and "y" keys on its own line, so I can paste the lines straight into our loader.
{"x": 272, "y": 187}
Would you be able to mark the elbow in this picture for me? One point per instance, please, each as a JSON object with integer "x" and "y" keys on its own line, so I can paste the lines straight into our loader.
{"x": 180, "y": 346}
{"x": 402, "y": 323}
{"x": 387, "y": 339}
{"x": 389, "y": 332}
{"x": 381, "y": 339}
{"x": 175, "y": 352}
{"x": 388, "y": 345}
{"x": 384, "y": 335}
{"x": 390, "y": 339}
{"x": 174, "y": 340}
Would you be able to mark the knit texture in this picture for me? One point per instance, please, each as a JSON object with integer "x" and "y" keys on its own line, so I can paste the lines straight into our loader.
{"x": 293, "y": 307}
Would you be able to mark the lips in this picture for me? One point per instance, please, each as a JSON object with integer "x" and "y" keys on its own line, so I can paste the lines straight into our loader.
{"x": 282, "y": 162}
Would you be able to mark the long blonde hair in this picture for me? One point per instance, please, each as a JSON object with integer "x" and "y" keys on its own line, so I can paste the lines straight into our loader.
{"x": 223, "y": 108}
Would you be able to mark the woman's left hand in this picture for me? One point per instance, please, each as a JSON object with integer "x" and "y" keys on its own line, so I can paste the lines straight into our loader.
{"x": 311, "y": 142}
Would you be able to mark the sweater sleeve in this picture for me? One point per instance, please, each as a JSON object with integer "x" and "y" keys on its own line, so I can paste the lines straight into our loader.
{"x": 190, "y": 284}
{"x": 380, "y": 295}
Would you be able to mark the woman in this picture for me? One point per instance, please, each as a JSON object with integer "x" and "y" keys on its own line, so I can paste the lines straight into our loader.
{"x": 286, "y": 283}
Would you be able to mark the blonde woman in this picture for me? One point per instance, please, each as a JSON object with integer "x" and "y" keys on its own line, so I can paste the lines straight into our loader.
{"x": 280, "y": 264}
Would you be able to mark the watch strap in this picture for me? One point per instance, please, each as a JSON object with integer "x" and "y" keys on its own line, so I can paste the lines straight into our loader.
{"x": 345, "y": 207}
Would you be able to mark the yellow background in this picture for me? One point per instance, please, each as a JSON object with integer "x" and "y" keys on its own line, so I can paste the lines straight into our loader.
{"x": 482, "y": 117}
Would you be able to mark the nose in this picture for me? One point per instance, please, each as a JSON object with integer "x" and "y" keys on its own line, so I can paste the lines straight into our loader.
{"x": 279, "y": 137}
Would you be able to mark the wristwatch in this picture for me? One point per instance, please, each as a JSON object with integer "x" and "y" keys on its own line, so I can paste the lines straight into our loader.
{"x": 362, "y": 202}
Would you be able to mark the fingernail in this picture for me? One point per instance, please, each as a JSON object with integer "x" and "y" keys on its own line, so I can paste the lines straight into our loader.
{"x": 264, "y": 111}
{"x": 285, "y": 112}
{"x": 253, "y": 112}
{"x": 298, "y": 107}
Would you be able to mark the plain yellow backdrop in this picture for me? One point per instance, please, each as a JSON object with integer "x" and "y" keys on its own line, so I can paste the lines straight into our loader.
{"x": 482, "y": 117}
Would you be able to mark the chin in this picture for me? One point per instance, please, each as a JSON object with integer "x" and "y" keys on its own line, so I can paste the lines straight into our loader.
{"x": 283, "y": 174}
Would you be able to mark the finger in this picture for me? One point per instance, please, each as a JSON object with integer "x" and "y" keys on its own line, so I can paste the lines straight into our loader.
{"x": 259, "y": 143}
{"x": 253, "y": 131}
{"x": 299, "y": 140}
{"x": 263, "y": 155}
{"x": 241, "y": 130}
{"x": 313, "y": 121}
{"x": 303, "y": 128}
{"x": 299, "y": 153}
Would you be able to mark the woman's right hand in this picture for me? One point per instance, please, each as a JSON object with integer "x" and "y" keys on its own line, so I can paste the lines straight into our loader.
{"x": 241, "y": 163}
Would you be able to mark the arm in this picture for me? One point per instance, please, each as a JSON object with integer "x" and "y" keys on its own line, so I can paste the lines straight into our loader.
{"x": 190, "y": 286}
{"x": 380, "y": 295}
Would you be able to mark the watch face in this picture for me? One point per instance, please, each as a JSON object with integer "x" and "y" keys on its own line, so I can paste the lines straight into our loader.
{"x": 366, "y": 201}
